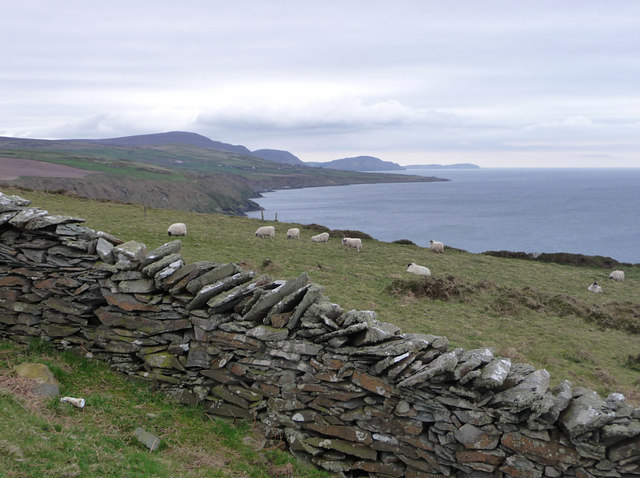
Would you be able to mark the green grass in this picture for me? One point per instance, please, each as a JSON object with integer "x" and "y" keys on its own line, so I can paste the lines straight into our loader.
{"x": 118, "y": 167}
{"x": 519, "y": 309}
{"x": 41, "y": 437}
{"x": 533, "y": 312}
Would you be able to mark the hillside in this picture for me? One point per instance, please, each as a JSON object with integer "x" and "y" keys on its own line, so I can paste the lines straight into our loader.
{"x": 359, "y": 163}
{"x": 527, "y": 310}
{"x": 530, "y": 312}
{"x": 277, "y": 156}
{"x": 173, "y": 137}
{"x": 175, "y": 170}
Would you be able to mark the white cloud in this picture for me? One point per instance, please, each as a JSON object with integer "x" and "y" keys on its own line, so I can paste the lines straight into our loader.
{"x": 418, "y": 76}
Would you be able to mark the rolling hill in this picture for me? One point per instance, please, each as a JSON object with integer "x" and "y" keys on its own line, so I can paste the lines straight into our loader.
{"x": 178, "y": 170}
{"x": 359, "y": 163}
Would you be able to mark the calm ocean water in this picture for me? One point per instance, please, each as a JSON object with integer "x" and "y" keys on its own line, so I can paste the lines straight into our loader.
{"x": 584, "y": 211}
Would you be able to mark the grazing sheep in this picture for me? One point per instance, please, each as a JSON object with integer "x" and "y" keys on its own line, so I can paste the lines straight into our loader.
{"x": 177, "y": 229}
{"x": 418, "y": 270}
{"x": 322, "y": 237}
{"x": 437, "y": 246}
{"x": 293, "y": 233}
{"x": 352, "y": 243}
{"x": 266, "y": 231}
{"x": 617, "y": 275}
{"x": 594, "y": 288}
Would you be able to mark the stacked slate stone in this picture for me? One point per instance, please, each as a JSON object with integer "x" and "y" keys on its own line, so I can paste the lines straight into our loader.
{"x": 48, "y": 278}
{"x": 350, "y": 393}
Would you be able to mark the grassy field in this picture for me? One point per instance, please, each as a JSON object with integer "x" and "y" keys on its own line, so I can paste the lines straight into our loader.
{"x": 532, "y": 312}
{"x": 41, "y": 437}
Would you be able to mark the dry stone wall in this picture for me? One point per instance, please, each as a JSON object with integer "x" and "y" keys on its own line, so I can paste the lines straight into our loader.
{"x": 352, "y": 394}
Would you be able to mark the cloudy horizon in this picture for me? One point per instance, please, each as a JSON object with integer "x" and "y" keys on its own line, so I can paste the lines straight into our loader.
{"x": 495, "y": 83}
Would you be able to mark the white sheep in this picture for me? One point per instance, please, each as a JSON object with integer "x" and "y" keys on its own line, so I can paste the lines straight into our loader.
{"x": 177, "y": 229}
{"x": 293, "y": 233}
{"x": 352, "y": 243}
{"x": 436, "y": 246}
{"x": 322, "y": 237}
{"x": 418, "y": 270}
{"x": 266, "y": 231}
{"x": 594, "y": 288}
{"x": 617, "y": 275}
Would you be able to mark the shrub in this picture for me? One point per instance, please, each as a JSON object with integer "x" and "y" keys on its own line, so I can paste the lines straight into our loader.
{"x": 633, "y": 362}
{"x": 317, "y": 227}
{"x": 561, "y": 258}
{"x": 446, "y": 288}
{"x": 405, "y": 242}
{"x": 350, "y": 233}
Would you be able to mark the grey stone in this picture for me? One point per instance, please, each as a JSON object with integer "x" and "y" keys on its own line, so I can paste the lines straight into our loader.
{"x": 139, "y": 286}
{"x": 155, "y": 267}
{"x": 525, "y": 393}
{"x": 164, "y": 250}
{"x": 586, "y": 413}
{"x": 217, "y": 288}
{"x": 212, "y": 276}
{"x": 41, "y": 222}
{"x": 128, "y": 255}
{"x": 471, "y": 360}
{"x": 104, "y": 250}
{"x": 168, "y": 271}
{"x": 519, "y": 466}
{"x": 443, "y": 364}
{"x": 472, "y": 437}
{"x": 494, "y": 373}
{"x": 149, "y": 440}
{"x": 225, "y": 302}
{"x": 313, "y": 294}
{"x": 6, "y": 216}
{"x": 260, "y": 309}
{"x": 46, "y": 382}
{"x": 376, "y": 332}
{"x": 267, "y": 333}
{"x": 10, "y": 202}
{"x": 26, "y": 215}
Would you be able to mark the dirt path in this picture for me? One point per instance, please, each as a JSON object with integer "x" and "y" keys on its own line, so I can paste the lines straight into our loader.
{"x": 12, "y": 168}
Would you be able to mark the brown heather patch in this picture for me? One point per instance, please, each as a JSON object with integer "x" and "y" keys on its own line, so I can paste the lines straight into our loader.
{"x": 197, "y": 458}
{"x": 447, "y": 288}
{"x": 22, "y": 389}
{"x": 511, "y": 353}
{"x": 510, "y": 302}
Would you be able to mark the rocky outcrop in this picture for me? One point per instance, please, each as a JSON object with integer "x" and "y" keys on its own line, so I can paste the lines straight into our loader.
{"x": 348, "y": 392}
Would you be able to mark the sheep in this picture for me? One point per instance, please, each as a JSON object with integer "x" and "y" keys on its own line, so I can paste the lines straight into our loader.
{"x": 617, "y": 275}
{"x": 266, "y": 231}
{"x": 177, "y": 229}
{"x": 418, "y": 270}
{"x": 293, "y": 233}
{"x": 594, "y": 288}
{"x": 322, "y": 237}
{"x": 352, "y": 243}
{"x": 436, "y": 246}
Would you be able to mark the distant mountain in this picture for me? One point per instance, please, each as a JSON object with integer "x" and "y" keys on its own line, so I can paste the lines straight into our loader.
{"x": 359, "y": 163}
{"x": 277, "y": 156}
{"x": 172, "y": 137}
{"x": 443, "y": 166}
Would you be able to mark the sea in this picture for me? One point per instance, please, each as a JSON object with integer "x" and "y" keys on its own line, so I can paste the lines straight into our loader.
{"x": 582, "y": 211}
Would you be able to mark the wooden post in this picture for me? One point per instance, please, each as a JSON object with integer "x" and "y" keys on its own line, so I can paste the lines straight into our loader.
{"x": 262, "y": 214}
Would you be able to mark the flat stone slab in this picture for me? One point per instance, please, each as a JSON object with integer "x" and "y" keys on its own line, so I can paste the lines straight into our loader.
{"x": 48, "y": 385}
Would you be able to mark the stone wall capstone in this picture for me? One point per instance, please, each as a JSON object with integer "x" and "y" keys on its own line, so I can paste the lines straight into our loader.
{"x": 347, "y": 392}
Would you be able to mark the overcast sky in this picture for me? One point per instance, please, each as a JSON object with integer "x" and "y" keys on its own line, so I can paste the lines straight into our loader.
{"x": 496, "y": 83}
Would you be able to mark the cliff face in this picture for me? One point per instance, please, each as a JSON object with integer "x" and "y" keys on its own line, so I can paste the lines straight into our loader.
{"x": 348, "y": 392}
